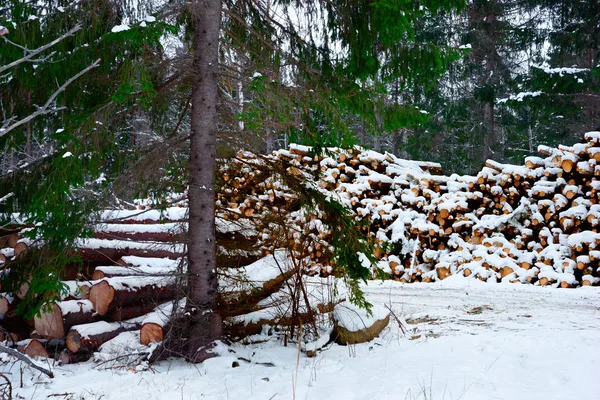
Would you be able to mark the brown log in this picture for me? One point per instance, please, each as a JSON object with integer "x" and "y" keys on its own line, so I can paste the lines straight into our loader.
{"x": 11, "y": 337}
{"x": 118, "y": 271}
{"x": 151, "y": 332}
{"x": 443, "y": 273}
{"x": 544, "y": 281}
{"x": 103, "y": 255}
{"x": 67, "y": 357}
{"x": 567, "y": 165}
{"x": 504, "y": 271}
{"x": 128, "y": 312}
{"x": 89, "y": 337}
{"x": 22, "y": 292}
{"x": 137, "y": 236}
{"x": 20, "y": 249}
{"x": 105, "y": 297}
{"x": 7, "y": 307}
{"x": 12, "y": 240}
{"x": 56, "y": 321}
{"x": 34, "y": 349}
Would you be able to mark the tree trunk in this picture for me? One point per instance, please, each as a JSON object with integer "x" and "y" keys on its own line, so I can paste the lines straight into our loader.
{"x": 203, "y": 325}
{"x": 489, "y": 138}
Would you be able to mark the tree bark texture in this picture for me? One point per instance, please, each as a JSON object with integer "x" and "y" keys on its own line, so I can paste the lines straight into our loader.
{"x": 490, "y": 139}
{"x": 204, "y": 325}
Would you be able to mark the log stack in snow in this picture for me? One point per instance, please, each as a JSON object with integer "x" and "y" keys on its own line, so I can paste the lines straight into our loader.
{"x": 535, "y": 224}
{"x": 138, "y": 256}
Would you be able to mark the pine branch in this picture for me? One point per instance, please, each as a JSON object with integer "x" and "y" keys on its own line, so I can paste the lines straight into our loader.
{"x": 45, "y": 108}
{"x": 37, "y": 51}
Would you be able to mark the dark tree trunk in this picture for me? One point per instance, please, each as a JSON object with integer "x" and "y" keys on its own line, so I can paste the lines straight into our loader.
{"x": 489, "y": 139}
{"x": 203, "y": 325}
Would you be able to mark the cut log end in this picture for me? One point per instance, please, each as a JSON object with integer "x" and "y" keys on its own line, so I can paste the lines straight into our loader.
{"x": 101, "y": 296}
{"x": 73, "y": 341}
{"x": 35, "y": 349}
{"x": 20, "y": 249}
{"x": 97, "y": 275}
{"x": 4, "y": 305}
{"x": 50, "y": 323}
{"x": 151, "y": 333}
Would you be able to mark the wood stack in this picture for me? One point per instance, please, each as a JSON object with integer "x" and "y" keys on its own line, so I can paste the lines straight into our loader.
{"x": 130, "y": 284}
{"x": 12, "y": 246}
{"x": 536, "y": 223}
{"x": 137, "y": 256}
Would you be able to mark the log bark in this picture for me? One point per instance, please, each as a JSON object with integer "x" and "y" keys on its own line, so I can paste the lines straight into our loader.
{"x": 103, "y": 255}
{"x": 128, "y": 312}
{"x": 150, "y": 235}
{"x": 116, "y": 271}
{"x": 88, "y": 337}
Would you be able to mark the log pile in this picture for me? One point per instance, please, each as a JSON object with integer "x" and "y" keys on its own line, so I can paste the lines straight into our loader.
{"x": 131, "y": 266}
{"x": 129, "y": 284}
{"x": 534, "y": 224}
{"x": 537, "y": 223}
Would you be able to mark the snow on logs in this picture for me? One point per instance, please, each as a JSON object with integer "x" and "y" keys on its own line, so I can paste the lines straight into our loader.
{"x": 88, "y": 337}
{"x": 437, "y": 225}
{"x": 110, "y": 293}
{"x": 92, "y": 312}
{"x": 531, "y": 224}
{"x": 93, "y": 250}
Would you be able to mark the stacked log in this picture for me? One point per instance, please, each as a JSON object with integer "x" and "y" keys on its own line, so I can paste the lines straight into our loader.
{"x": 532, "y": 224}
{"x": 12, "y": 246}
{"x": 535, "y": 223}
{"x": 136, "y": 258}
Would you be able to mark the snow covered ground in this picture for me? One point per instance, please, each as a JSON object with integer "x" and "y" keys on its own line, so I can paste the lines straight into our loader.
{"x": 465, "y": 340}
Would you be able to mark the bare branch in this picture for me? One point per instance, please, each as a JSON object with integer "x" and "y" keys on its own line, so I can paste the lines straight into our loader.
{"x": 6, "y": 197}
{"x": 25, "y": 359}
{"x": 45, "y": 108}
{"x": 33, "y": 53}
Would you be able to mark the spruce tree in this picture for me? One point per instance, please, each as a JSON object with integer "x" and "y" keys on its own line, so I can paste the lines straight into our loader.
{"x": 311, "y": 85}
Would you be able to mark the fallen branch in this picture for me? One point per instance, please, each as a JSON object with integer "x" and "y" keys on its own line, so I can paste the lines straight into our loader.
{"x": 25, "y": 359}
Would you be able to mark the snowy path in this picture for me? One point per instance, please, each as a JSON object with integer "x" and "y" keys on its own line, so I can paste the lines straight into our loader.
{"x": 469, "y": 341}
